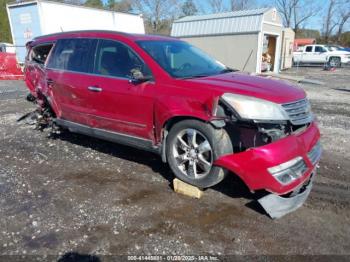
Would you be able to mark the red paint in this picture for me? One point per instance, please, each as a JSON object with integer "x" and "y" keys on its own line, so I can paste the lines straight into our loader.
{"x": 143, "y": 110}
{"x": 251, "y": 166}
{"x": 9, "y": 68}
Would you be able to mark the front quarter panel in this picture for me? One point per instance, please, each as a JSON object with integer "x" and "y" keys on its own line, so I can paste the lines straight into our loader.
{"x": 173, "y": 101}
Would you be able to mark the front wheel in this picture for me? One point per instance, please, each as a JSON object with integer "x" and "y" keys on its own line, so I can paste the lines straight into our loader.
{"x": 192, "y": 148}
{"x": 334, "y": 62}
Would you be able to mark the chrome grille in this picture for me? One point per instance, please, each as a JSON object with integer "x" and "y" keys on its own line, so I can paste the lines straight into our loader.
{"x": 315, "y": 153}
{"x": 299, "y": 112}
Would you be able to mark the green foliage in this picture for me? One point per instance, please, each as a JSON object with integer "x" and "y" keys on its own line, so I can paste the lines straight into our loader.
{"x": 345, "y": 39}
{"x": 5, "y": 32}
{"x": 94, "y": 3}
{"x": 307, "y": 33}
{"x": 119, "y": 6}
{"x": 189, "y": 8}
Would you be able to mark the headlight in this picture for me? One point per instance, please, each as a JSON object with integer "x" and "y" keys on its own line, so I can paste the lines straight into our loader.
{"x": 254, "y": 108}
{"x": 289, "y": 171}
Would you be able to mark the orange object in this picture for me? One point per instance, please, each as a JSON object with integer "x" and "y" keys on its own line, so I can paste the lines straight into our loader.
{"x": 9, "y": 68}
{"x": 303, "y": 42}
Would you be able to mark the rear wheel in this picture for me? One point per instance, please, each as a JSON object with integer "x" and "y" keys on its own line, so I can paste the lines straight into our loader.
{"x": 192, "y": 148}
{"x": 335, "y": 62}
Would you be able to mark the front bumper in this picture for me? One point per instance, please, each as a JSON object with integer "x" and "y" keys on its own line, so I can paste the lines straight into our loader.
{"x": 345, "y": 60}
{"x": 277, "y": 206}
{"x": 251, "y": 165}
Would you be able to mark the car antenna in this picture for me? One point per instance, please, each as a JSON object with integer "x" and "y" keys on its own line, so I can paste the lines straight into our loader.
{"x": 246, "y": 62}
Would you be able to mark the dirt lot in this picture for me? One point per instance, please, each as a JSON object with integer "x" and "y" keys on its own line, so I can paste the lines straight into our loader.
{"x": 74, "y": 193}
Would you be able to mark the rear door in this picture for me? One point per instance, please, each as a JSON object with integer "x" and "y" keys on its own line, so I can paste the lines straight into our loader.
{"x": 118, "y": 104}
{"x": 68, "y": 78}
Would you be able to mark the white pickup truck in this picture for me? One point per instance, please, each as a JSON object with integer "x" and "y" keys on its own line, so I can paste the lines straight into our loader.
{"x": 321, "y": 54}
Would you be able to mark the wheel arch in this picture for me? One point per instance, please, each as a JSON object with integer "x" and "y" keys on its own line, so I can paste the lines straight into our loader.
{"x": 168, "y": 124}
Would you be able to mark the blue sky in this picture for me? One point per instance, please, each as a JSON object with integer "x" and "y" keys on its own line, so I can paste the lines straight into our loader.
{"x": 313, "y": 23}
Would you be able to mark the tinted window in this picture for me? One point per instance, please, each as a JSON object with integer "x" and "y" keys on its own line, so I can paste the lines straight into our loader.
{"x": 308, "y": 49}
{"x": 320, "y": 49}
{"x": 182, "y": 60}
{"x": 116, "y": 59}
{"x": 72, "y": 55}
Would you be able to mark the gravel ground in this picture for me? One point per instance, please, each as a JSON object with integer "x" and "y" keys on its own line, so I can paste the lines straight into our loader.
{"x": 72, "y": 193}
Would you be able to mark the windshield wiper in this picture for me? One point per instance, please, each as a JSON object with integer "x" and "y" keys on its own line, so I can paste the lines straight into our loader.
{"x": 228, "y": 70}
{"x": 194, "y": 76}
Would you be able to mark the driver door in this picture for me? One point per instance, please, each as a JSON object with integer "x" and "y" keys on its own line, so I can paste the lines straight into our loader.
{"x": 118, "y": 104}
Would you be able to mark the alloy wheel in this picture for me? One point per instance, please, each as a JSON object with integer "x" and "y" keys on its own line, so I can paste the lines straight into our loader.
{"x": 193, "y": 153}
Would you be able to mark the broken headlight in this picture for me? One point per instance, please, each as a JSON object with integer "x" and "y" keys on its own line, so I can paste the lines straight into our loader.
{"x": 289, "y": 171}
{"x": 253, "y": 108}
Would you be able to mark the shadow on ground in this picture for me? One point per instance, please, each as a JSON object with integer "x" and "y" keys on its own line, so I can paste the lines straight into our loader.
{"x": 232, "y": 186}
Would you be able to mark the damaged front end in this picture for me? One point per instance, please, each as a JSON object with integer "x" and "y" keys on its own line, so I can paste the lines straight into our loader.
{"x": 279, "y": 157}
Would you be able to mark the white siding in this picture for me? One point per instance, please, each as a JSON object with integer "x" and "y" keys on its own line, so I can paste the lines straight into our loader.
{"x": 246, "y": 21}
{"x": 57, "y": 17}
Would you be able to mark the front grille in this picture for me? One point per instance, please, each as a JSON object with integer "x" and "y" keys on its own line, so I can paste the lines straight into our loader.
{"x": 299, "y": 112}
{"x": 315, "y": 153}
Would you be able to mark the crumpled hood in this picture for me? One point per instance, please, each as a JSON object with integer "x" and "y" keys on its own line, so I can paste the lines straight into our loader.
{"x": 277, "y": 91}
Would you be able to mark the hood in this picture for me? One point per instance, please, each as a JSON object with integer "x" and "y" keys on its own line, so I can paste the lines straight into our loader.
{"x": 340, "y": 52}
{"x": 276, "y": 91}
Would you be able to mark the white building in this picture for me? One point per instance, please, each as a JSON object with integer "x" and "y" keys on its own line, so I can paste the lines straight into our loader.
{"x": 238, "y": 39}
{"x": 41, "y": 17}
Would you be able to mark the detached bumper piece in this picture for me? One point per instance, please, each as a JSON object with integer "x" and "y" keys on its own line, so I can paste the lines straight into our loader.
{"x": 277, "y": 206}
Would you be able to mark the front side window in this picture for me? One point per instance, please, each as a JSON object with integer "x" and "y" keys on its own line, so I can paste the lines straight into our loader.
{"x": 116, "y": 59}
{"x": 72, "y": 55}
{"x": 308, "y": 49}
{"x": 182, "y": 60}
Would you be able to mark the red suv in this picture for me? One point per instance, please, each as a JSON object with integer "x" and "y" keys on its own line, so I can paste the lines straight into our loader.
{"x": 166, "y": 96}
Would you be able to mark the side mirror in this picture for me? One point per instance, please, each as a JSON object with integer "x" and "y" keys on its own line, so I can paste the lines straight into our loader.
{"x": 137, "y": 77}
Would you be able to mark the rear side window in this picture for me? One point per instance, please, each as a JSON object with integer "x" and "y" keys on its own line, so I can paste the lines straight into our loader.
{"x": 308, "y": 49}
{"x": 73, "y": 55}
{"x": 39, "y": 53}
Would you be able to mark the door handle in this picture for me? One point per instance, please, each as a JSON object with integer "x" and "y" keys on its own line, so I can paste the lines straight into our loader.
{"x": 95, "y": 89}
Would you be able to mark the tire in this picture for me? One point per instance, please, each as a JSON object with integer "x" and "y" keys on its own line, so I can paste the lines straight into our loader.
{"x": 189, "y": 160}
{"x": 334, "y": 62}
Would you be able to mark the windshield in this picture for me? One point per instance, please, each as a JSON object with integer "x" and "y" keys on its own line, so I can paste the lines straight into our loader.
{"x": 334, "y": 48}
{"x": 182, "y": 60}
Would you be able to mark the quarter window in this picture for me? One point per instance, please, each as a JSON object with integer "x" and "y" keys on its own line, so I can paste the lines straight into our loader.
{"x": 116, "y": 59}
{"x": 40, "y": 53}
{"x": 72, "y": 55}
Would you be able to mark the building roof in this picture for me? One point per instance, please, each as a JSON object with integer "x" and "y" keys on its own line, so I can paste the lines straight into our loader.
{"x": 243, "y": 21}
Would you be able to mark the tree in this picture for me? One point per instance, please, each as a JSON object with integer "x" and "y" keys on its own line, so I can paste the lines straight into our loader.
{"x": 236, "y": 5}
{"x": 120, "y": 6}
{"x": 94, "y": 3}
{"x": 329, "y": 23}
{"x": 159, "y": 14}
{"x": 344, "y": 18}
{"x": 295, "y": 13}
{"x": 308, "y": 33}
{"x": 5, "y": 32}
{"x": 189, "y": 8}
{"x": 217, "y": 6}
